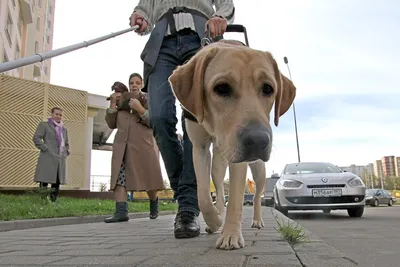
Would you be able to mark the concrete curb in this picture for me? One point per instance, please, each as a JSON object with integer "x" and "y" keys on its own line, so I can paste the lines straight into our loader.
{"x": 38, "y": 223}
{"x": 315, "y": 253}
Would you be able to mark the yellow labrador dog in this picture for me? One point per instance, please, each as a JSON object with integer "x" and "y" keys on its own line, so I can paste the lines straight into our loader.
{"x": 230, "y": 90}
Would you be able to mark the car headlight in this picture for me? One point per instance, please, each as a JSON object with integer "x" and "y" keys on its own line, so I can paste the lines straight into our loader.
{"x": 290, "y": 183}
{"x": 356, "y": 181}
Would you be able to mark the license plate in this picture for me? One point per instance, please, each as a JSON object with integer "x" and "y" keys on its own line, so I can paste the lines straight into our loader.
{"x": 327, "y": 192}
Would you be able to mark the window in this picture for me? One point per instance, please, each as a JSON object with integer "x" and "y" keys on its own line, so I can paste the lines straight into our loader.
{"x": 49, "y": 24}
{"x": 36, "y": 47}
{"x": 50, "y": 10}
{"x": 17, "y": 52}
{"x": 48, "y": 39}
{"x": 5, "y": 57}
{"x": 8, "y": 28}
{"x": 45, "y": 70}
{"x": 302, "y": 168}
{"x": 39, "y": 2}
{"x": 38, "y": 24}
{"x": 20, "y": 24}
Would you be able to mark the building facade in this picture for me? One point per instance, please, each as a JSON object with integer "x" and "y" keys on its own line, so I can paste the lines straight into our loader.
{"x": 362, "y": 171}
{"x": 388, "y": 166}
{"x": 26, "y": 28}
{"x": 397, "y": 166}
{"x": 378, "y": 169}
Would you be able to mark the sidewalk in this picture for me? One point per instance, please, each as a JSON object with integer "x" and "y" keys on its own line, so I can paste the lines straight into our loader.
{"x": 144, "y": 243}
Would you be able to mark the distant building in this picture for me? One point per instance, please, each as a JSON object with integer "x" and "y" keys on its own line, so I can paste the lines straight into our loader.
{"x": 388, "y": 166}
{"x": 26, "y": 28}
{"x": 360, "y": 170}
{"x": 397, "y": 166}
{"x": 378, "y": 171}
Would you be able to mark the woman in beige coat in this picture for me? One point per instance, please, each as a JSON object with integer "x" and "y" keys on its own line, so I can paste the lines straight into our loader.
{"x": 134, "y": 165}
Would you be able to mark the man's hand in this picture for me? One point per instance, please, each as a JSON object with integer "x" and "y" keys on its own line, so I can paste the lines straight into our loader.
{"x": 137, "y": 19}
{"x": 217, "y": 26}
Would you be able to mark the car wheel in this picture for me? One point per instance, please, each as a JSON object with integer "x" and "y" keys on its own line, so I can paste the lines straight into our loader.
{"x": 376, "y": 203}
{"x": 280, "y": 209}
{"x": 356, "y": 212}
{"x": 390, "y": 203}
{"x": 326, "y": 211}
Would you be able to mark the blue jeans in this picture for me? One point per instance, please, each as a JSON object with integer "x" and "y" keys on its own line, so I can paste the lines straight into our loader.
{"x": 175, "y": 50}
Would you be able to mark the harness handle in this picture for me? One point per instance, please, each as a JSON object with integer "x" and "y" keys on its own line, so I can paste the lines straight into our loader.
{"x": 230, "y": 28}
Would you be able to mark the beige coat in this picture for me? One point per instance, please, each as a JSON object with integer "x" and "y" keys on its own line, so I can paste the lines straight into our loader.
{"x": 135, "y": 139}
{"x": 50, "y": 163}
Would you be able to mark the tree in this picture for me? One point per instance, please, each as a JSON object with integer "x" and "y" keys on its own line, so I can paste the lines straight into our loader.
{"x": 391, "y": 182}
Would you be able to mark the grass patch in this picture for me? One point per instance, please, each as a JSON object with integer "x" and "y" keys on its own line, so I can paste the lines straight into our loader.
{"x": 32, "y": 206}
{"x": 292, "y": 232}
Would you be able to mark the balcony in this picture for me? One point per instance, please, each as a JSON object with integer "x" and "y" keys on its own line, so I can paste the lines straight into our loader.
{"x": 26, "y": 11}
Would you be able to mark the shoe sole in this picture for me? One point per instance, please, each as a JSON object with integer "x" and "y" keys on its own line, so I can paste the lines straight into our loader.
{"x": 181, "y": 235}
{"x": 117, "y": 221}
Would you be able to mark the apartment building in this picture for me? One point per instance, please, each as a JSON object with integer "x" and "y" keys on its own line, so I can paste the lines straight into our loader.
{"x": 360, "y": 170}
{"x": 26, "y": 28}
{"x": 388, "y": 168}
{"x": 397, "y": 166}
{"x": 378, "y": 169}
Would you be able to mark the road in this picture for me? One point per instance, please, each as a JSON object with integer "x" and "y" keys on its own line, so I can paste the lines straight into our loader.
{"x": 373, "y": 240}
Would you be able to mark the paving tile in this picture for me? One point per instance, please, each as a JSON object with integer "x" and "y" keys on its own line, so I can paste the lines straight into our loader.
{"x": 143, "y": 243}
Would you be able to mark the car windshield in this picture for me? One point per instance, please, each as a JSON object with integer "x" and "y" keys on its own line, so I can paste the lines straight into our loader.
{"x": 370, "y": 192}
{"x": 304, "y": 168}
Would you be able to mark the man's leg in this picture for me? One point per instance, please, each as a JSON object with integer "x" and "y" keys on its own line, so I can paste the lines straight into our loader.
{"x": 188, "y": 45}
{"x": 162, "y": 113}
{"x": 163, "y": 120}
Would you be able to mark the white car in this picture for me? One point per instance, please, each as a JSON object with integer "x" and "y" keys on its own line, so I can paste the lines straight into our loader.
{"x": 319, "y": 186}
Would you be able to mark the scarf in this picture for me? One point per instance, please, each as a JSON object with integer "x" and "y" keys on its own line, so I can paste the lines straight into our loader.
{"x": 59, "y": 133}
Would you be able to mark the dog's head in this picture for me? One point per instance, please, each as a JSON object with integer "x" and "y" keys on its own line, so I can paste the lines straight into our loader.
{"x": 231, "y": 90}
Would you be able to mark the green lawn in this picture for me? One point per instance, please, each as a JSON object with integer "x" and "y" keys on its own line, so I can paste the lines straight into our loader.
{"x": 32, "y": 206}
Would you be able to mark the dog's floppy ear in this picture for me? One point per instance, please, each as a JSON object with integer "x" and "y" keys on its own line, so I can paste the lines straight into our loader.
{"x": 187, "y": 82}
{"x": 286, "y": 92}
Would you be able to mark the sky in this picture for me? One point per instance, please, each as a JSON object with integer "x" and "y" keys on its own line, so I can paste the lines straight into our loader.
{"x": 343, "y": 56}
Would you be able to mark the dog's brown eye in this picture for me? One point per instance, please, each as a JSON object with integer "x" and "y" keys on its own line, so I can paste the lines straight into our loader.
{"x": 267, "y": 90}
{"x": 223, "y": 90}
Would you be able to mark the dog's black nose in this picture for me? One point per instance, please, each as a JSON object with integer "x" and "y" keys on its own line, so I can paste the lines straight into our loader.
{"x": 255, "y": 139}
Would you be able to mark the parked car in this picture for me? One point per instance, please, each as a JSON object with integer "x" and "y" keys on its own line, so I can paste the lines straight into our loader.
{"x": 248, "y": 200}
{"x": 319, "y": 186}
{"x": 375, "y": 197}
{"x": 269, "y": 189}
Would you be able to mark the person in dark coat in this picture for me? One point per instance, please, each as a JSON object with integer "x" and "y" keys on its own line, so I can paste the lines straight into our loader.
{"x": 51, "y": 138}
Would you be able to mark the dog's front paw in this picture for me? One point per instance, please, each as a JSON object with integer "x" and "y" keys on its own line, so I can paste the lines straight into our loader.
{"x": 211, "y": 230}
{"x": 257, "y": 224}
{"x": 213, "y": 220}
{"x": 230, "y": 239}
